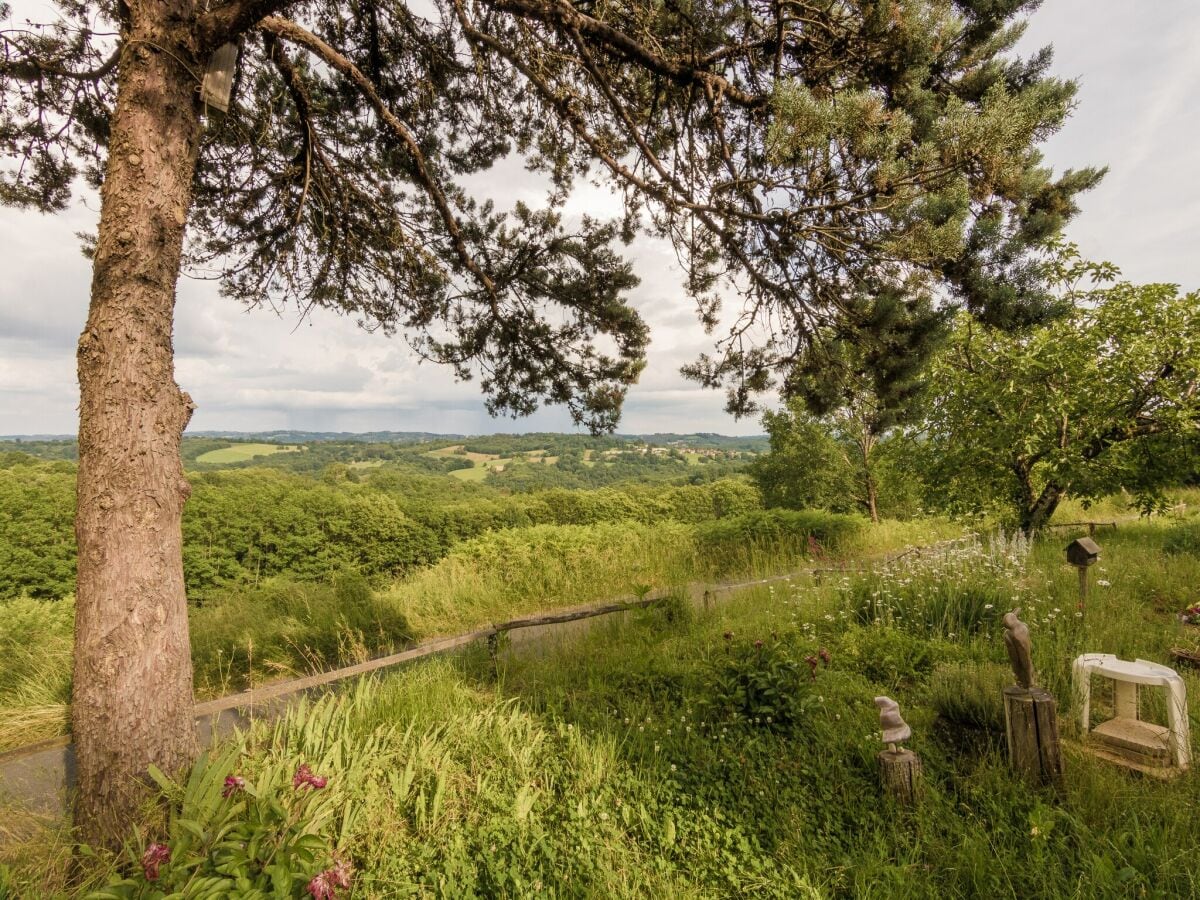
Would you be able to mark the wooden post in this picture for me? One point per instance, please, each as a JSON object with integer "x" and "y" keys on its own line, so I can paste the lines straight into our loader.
{"x": 493, "y": 645}
{"x": 900, "y": 772}
{"x": 1083, "y": 587}
{"x": 1031, "y": 722}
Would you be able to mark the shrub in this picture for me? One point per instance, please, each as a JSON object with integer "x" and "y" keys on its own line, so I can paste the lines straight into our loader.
{"x": 270, "y": 832}
{"x": 760, "y": 682}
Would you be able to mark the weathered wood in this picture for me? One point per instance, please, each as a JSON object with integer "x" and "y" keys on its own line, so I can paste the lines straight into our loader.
{"x": 1031, "y": 720}
{"x": 901, "y": 774}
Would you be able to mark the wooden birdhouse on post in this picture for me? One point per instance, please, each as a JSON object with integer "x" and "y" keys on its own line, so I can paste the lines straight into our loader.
{"x": 217, "y": 86}
{"x": 1082, "y": 554}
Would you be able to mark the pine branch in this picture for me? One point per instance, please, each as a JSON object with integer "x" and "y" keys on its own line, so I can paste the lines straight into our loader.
{"x": 290, "y": 31}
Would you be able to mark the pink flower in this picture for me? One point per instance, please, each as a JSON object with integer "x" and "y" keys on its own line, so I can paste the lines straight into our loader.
{"x": 812, "y": 665}
{"x": 304, "y": 776}
{"x": 321, "y": 886}
{"x": 325, "y": 885}
{"x": 825, "y": 657}
{"x": 155, "y": 856}
{"x": 341, "y": 873}
{"x": 233, "y": 784}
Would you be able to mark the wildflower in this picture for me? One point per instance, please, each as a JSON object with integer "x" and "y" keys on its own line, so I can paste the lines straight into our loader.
{"x": 758, "y": 645}
{"x": 825, "y": 657}
{"x": 1103, "y": 583}
{"x": 304, "y": 776}
{"x": 155, "y": 856}
{"x": 728, "y": 635}
{"x": 812, "y": 665}
{"x": 320, "y": 886}
{"x": 325, "y": 885}
{"x": 233, "y": 784}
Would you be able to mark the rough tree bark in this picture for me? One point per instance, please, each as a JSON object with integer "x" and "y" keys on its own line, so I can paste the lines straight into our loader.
{"x": 1035, "y": 510}
{"x": 132, "y": 693}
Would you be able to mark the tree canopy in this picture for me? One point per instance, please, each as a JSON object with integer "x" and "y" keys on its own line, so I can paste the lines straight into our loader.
{"x": 814, "y": 163}
{"x": 1102, "y": 398}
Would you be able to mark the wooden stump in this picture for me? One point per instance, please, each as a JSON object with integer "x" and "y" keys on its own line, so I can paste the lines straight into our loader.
{"x": 900, "y": 772}
{"x": 1031, "y": 719}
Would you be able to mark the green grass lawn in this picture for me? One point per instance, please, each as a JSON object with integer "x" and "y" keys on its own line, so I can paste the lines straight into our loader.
{"x": 242, "y": 452}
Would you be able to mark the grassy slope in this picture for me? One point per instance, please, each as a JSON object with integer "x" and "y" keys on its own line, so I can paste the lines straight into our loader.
{"x": 598, "y": 769}
{"x": 242, "y": 452}
{"x": 283, "y": 629}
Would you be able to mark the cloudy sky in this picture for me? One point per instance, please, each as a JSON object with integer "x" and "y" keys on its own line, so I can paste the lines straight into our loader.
{"x": 1139, "y": 69}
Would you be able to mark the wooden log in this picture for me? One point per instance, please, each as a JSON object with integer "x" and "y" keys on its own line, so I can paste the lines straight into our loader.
{"x": 1031, "y": 720}
{"x": 900, "y": 773}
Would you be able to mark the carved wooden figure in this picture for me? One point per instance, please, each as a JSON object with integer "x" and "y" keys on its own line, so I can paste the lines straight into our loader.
{"x": 1020, "y": 649}
{"x": 899, "y": 769}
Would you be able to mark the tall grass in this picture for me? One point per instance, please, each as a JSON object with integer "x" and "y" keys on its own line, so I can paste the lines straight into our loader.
{"x": 599, "y": 768}
{"x": 283, "y": 628}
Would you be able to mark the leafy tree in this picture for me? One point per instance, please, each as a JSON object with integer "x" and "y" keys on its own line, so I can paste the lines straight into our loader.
{"x": 799, "y": 154}
{"x": 1104, "y": 397}
{"x": 849, "y": 460}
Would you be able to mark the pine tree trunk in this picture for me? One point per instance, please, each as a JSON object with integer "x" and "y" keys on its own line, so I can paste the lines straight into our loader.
{"x": 132, "y": 692}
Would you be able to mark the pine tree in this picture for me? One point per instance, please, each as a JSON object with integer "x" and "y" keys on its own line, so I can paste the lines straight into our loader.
{"x": 795, "y": 152}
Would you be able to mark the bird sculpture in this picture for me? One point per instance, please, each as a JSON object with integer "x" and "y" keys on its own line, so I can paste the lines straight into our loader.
{"x": 1020, "y": 651}
{"x": 895, "y": 729}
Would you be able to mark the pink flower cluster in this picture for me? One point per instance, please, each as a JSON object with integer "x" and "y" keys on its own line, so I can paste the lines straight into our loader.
{"x": 155, "y": 856}
{"x": 233, "y": 784}
{"x": 304, "y": 777}
{"x": 1191, "y": 615}
{"x": 325, "y": 885}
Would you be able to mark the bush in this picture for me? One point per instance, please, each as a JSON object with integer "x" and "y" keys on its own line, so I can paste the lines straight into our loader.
{"x": 274, "y": 831}
{"x": 761, "y": 683}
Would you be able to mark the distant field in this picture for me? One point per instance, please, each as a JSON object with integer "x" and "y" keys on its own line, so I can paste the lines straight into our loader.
{"x": 242, "y": 452}
{"x": 457, "y": 450}
{"x": 476, "y": 474}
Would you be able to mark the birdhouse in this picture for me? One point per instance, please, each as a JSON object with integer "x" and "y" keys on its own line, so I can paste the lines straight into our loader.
{"x": 217, "y": 86}
{"x": 1083, "y": 552}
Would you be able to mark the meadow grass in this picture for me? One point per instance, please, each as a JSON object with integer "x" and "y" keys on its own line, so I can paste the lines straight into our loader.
{"x": 611, "y": 762}
{"x": 242, "y": 452}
